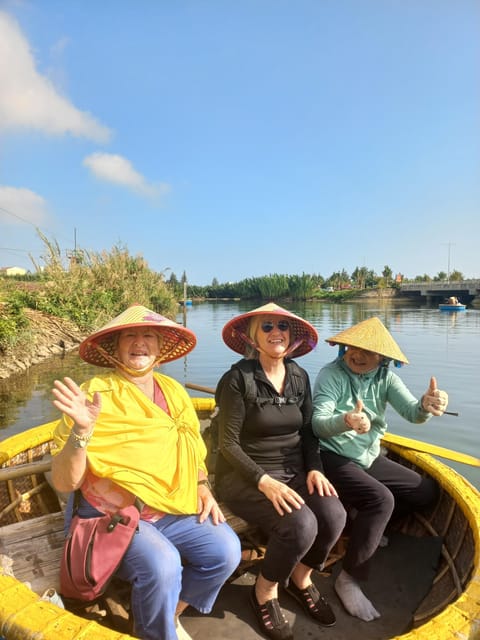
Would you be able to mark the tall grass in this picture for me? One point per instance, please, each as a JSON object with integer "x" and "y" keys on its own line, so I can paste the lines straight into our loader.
{"x": 98, "y": 286}
{"x": 90, "y": 290}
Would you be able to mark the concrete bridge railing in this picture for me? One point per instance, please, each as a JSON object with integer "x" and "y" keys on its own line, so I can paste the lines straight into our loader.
{"x": 472, "y": 287}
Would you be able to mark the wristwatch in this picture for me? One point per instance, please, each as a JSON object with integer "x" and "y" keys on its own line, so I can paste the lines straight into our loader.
{"x": 206, "y": 482}
{"x": 80, "y": 442}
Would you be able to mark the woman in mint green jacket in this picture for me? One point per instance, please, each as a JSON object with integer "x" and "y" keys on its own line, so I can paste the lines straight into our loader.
{"x": 350, "y": 397}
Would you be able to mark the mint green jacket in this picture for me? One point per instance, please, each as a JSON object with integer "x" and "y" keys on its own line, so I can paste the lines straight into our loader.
{"x": 336, "y": 392}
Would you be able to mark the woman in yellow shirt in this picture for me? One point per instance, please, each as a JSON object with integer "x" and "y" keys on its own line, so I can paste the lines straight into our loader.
{"x": 132, "y": 433}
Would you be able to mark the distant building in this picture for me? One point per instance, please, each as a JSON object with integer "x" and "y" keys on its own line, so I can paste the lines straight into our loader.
{"x": 12, "y": 271}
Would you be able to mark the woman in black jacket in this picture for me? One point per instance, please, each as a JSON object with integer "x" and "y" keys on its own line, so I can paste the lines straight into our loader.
{"x": 269, "y": 469}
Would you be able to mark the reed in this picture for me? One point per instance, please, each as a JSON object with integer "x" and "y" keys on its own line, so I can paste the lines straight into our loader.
{"x": 89, "y": 290}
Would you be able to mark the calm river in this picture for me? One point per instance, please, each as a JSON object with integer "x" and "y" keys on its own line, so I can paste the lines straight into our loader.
{"x": 443, "y": 344}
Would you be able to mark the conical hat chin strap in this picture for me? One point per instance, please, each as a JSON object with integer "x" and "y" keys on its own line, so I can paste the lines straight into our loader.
{"x": 136, "y": 373}
{"x": 293, "y": 347}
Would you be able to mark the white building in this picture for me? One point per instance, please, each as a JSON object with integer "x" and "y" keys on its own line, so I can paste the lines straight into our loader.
{"x": 12, "y": 271}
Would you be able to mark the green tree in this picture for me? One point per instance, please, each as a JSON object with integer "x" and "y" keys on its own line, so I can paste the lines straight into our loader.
{"x": 456, "y": 276}
{"x": 387, "y": 273}
{"x": 424, "y": 278}
{"x": 359, "y": 277}
{"x": 339, "y": 279}
{"x": 173, "y": 281}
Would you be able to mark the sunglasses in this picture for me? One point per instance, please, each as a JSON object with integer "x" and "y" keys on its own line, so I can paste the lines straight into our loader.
{"x": 282, "y": 325}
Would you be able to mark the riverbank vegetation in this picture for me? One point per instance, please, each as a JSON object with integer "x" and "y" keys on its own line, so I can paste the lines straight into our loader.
{"x": 339, "y": 286}
{"x": 88, "y": 289}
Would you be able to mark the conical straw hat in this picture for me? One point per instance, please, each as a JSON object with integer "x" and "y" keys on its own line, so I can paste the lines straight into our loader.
{"x": 176, "y": 340}
{"x": 235, "y": 330}
{"x": 370, "y": 335}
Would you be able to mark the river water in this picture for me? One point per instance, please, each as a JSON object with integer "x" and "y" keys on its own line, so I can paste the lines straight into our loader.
{"x": 443, "y": 344}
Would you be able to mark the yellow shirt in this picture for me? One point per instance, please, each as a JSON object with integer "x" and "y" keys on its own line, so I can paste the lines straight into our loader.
{"x": 137, "y": 445}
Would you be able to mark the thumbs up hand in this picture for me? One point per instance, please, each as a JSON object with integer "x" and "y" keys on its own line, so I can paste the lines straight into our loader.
{"x": 434, "y": 400}
{"x": 356, "y": 419}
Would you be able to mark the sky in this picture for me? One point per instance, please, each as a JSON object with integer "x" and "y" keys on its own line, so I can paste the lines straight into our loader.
{"x": 229, "y": 140}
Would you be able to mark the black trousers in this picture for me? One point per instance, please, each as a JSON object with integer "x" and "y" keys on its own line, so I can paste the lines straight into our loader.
{"x": 374, "y": 493}
{"x": 306, "y": 535}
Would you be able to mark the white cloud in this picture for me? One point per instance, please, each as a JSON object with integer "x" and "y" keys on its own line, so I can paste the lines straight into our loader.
{"x": 19, "y": 206}
{"x": 29, "y": 100}
{"x": 117, "y": 169}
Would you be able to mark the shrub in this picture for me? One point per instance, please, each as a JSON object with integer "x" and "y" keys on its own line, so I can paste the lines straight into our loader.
{"x": 98, "y": 286}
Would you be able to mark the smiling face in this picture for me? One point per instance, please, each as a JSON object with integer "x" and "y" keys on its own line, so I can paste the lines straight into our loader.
{"x": 138, "y": 347}
{"x": 361, "y": 361}
{"x": 273, "y": 335}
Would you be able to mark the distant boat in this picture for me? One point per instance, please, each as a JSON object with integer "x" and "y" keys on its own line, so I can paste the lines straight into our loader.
{"x": 452, "y": 307}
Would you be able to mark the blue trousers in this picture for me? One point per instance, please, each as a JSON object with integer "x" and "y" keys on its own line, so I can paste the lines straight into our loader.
{"x": 175, "y": 558}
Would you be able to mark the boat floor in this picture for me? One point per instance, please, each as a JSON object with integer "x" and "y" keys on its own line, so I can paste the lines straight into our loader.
{"x": 401, "y": 575}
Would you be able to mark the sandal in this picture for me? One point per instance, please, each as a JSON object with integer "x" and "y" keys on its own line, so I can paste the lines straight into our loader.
{"x": 314, "y": 604}
{"x": 271, "y": 619}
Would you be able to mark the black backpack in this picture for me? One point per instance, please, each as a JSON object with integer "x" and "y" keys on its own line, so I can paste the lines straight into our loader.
{"x": 247, "y": 369}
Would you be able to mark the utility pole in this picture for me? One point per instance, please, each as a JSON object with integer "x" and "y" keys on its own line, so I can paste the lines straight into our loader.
{"x": 75, "y": 255}
{"x": 449, "y": 245}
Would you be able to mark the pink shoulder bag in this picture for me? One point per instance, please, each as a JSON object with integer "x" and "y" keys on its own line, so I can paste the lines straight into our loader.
{"x": 93, "y": 551}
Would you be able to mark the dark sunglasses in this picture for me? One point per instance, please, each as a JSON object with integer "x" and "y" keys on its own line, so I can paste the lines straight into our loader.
{"x": 282, "y": 325}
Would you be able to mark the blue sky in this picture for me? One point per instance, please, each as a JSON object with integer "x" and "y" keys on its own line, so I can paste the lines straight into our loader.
{"x": 237, "y": 139}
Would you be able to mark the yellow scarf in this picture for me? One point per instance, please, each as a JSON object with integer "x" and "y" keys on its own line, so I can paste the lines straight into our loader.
{"x": 139, "y": 446}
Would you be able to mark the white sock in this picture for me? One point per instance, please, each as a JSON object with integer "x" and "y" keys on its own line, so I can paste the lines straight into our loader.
{"x": 181, "y": 633}
{"x": 353, "y": 598}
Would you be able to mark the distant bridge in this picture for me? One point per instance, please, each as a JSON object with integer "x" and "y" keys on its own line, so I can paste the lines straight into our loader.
{"x": 465, "y": 290}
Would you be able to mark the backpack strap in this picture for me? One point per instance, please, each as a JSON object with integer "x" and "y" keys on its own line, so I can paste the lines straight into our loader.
{"x": 247, "y": 369}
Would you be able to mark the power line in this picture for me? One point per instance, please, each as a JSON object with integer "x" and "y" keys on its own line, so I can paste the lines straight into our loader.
{"x": 36, "y": 226}
{"x": 15, "y": 250}
{"x": 18, "y": 217}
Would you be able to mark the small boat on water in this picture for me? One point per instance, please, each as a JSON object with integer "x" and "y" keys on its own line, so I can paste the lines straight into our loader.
{"x": 452, "y": 304}
{"x": 437, "y": 553}
{"x": 452, "y": 307}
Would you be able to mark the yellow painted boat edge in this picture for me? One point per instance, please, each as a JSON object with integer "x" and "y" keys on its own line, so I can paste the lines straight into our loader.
{"x": 460, "y": 619}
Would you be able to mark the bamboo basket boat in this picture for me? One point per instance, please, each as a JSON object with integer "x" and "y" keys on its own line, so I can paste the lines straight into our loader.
{"x": 31, "y": 538}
